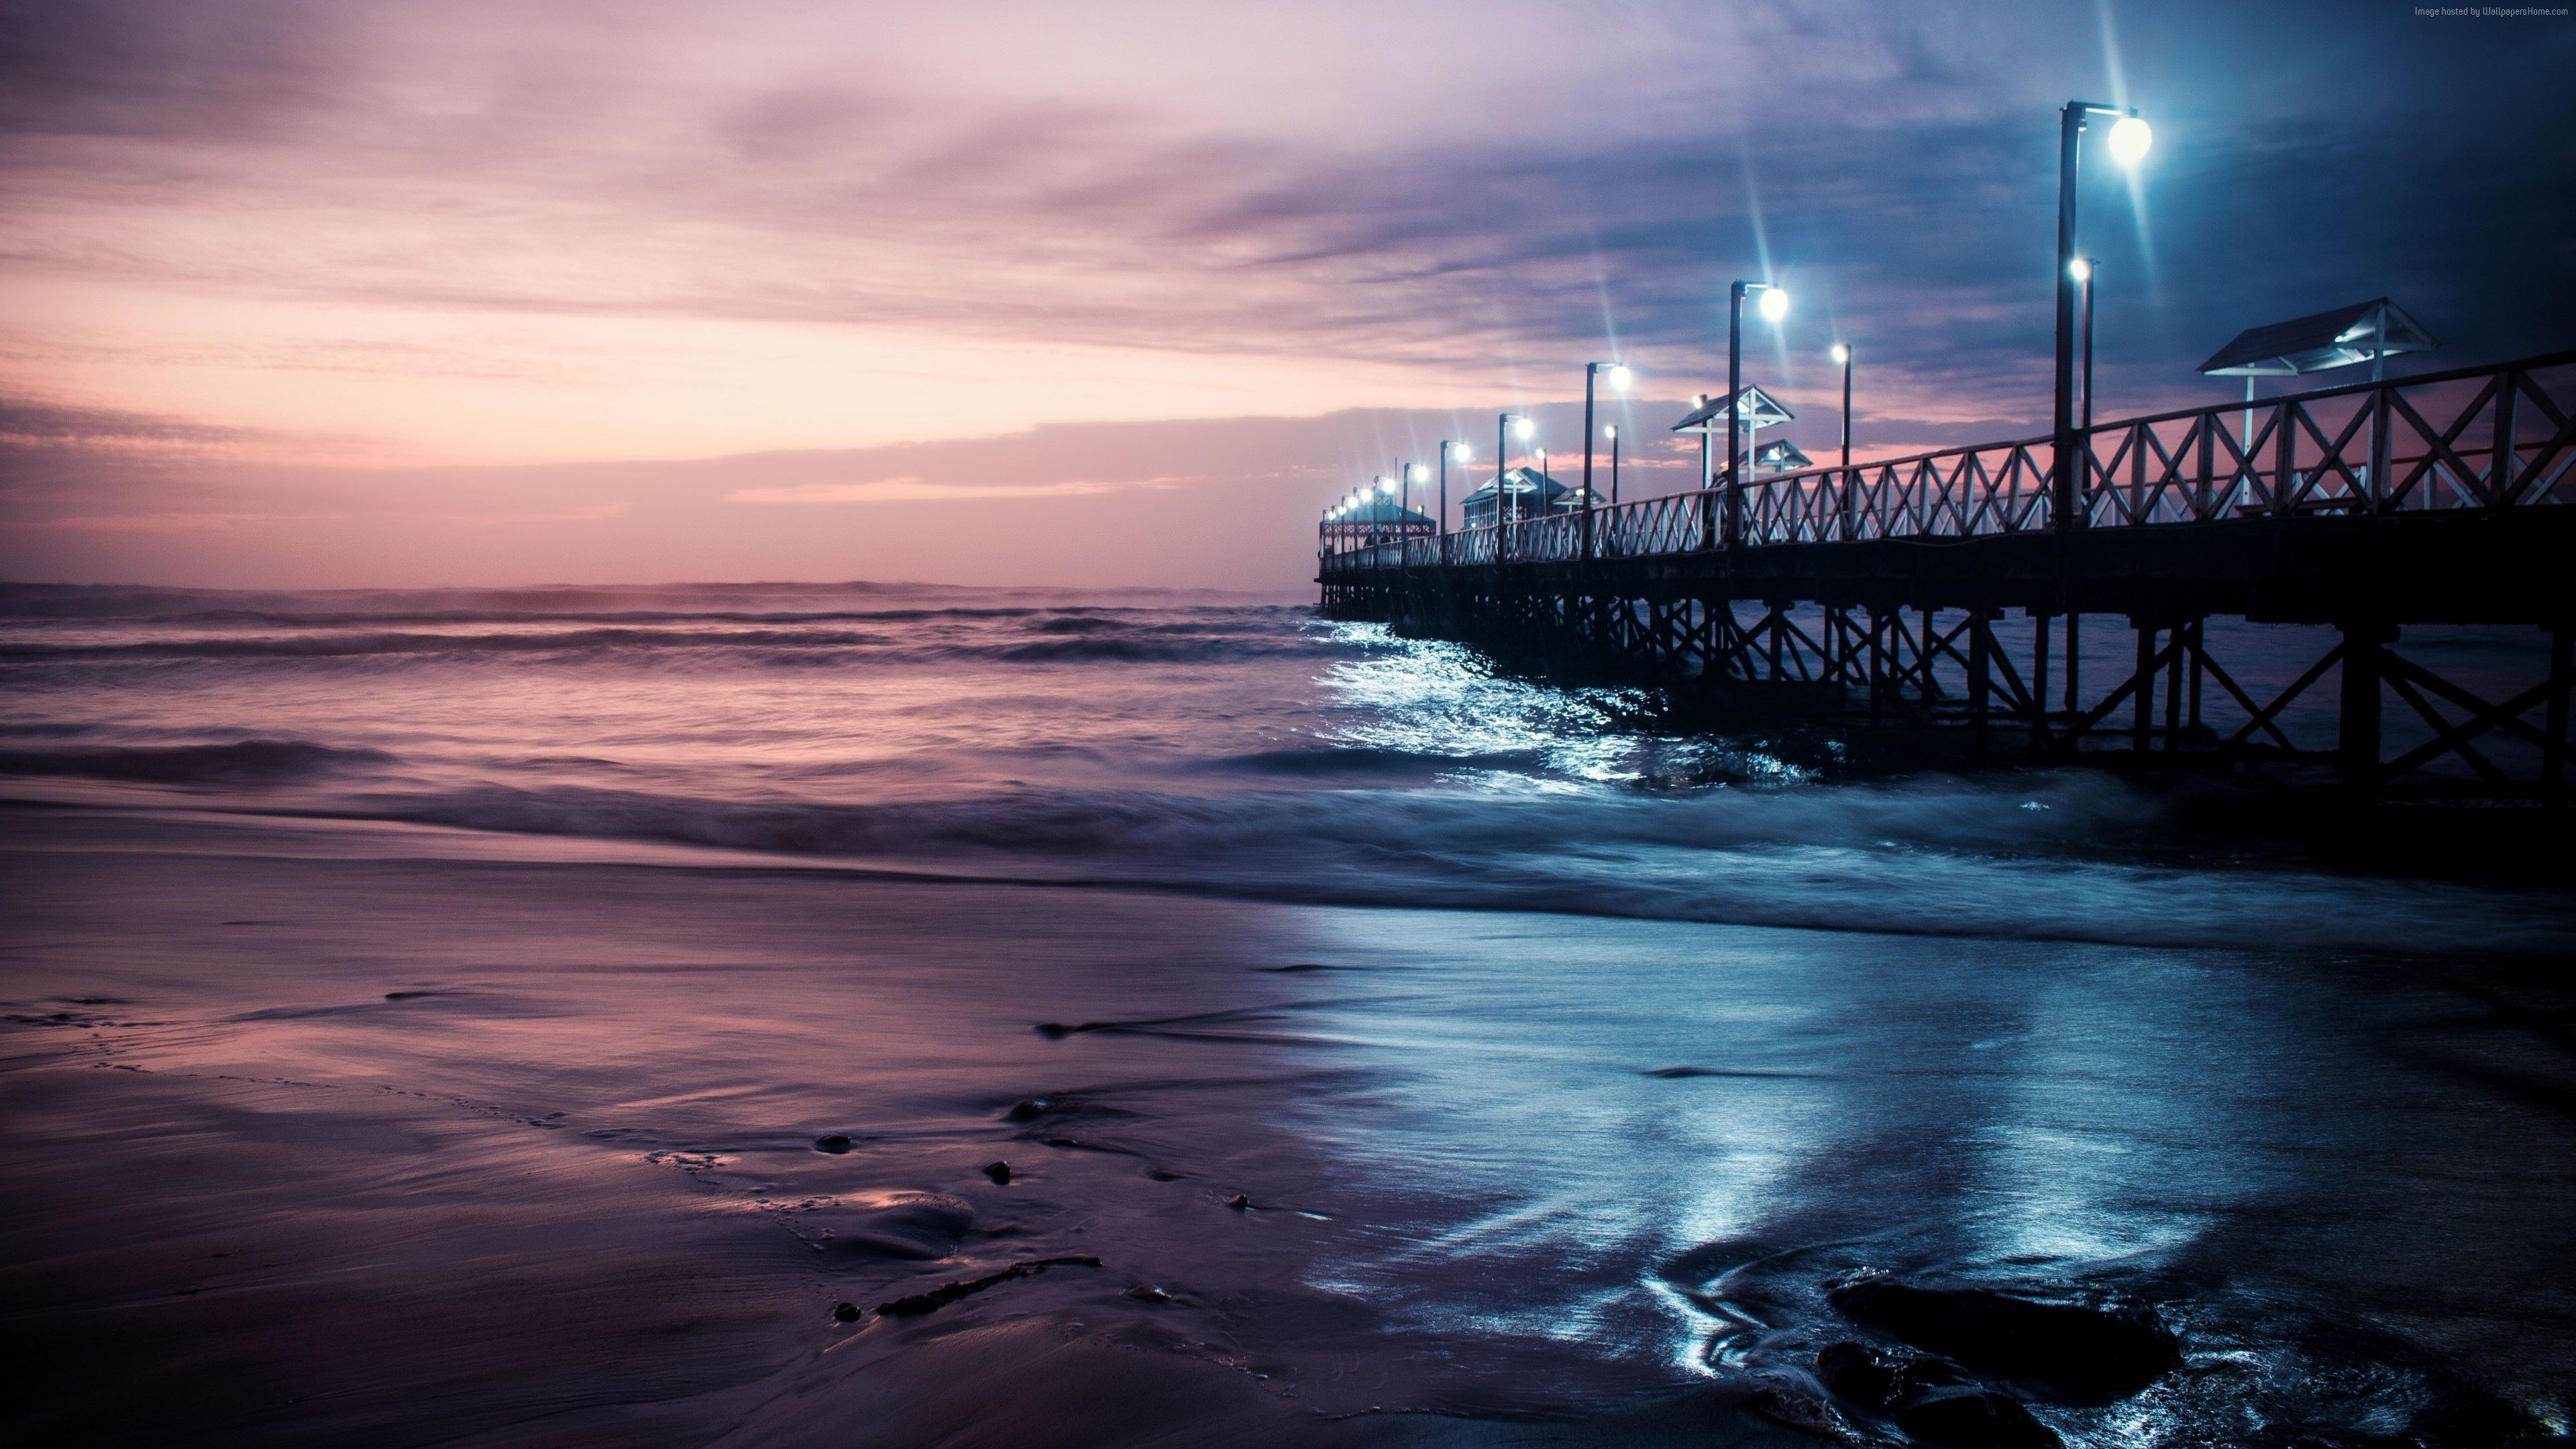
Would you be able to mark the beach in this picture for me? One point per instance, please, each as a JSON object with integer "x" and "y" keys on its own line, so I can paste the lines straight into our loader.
{"x": 440, "y": 1022}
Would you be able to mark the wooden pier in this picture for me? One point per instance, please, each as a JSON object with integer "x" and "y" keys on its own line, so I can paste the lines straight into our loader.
{"x": 1885, "y": 593}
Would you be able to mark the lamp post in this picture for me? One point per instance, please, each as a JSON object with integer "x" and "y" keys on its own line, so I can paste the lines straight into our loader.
{"x": 1841, "y": 354}
{"x": 1612, "y": 432}
{"x": 1707, "y": 446}
{"x": 1503, "y": 458}
{"x": 1448, "y": 446}
{"x": 1619, "y": 376}
{"x": 2084, "y": 270}
{"x": 2130, "y": 138}
{"x": 1775, "y": 305}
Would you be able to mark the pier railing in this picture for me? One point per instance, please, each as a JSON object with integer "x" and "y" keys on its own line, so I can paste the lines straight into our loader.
{"x": 2477, "y": 438}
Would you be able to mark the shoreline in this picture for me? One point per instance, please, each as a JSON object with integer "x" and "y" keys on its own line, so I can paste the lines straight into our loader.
{"x": 472, "y": 1184}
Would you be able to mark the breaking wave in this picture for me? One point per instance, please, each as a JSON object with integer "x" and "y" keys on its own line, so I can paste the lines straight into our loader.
{"x": 1946, "y": 857}
{"x": 1229, "y": 748}
{"x": 1087, "y": 640}
{"x": 244, "y": 762}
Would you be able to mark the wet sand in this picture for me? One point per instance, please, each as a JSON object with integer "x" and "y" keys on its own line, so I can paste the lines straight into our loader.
{"x": 396, "y": 1151}
{"x": 325, "y": 1135}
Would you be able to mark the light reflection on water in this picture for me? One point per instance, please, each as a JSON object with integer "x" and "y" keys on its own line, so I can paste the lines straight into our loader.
{"x": 2086, "y": 1118}
{"x": 1433, "y": 698}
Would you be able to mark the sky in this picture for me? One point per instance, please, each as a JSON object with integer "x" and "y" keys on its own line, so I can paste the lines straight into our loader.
{"x": 313, "y": 293}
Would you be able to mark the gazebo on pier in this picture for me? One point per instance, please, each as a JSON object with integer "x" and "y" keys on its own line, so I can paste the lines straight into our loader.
{"x": 1756, "y": 410}
{"x": 1373, "y": 520}
{"x": 1519, "y": 493}
{"x": 1779, "y": 456}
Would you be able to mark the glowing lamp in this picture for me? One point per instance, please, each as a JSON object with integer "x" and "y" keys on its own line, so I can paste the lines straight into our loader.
{"x": 2130, "y": 138}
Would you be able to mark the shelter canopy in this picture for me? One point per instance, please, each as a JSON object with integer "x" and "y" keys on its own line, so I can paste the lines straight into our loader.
{"x": 1381, "y": 510}
{"x": 2338, "y": 338}
{"x": 1760, "y": 410}
{"x": 1781, "y": 457}
{"x": 1524, "y": 493}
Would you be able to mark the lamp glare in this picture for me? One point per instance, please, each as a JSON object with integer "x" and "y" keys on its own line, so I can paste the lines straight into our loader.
{"x": 2130, "y": 139}
{"x": 1775, "y": 304}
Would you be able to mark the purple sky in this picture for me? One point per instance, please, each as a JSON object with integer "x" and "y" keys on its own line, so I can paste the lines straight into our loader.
{"x": 445, "y": 291}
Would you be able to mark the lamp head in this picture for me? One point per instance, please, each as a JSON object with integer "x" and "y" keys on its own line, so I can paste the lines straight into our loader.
{"x": 1620, "y": 376}
{"x": 2131, "y": 136}
{"x": 1840, "y": 354}
{"x": 1775, "y": 304}
{"x": 2081, "y": 269}
{"x": 1611, "y": 431}
{"x": 1522, "y": 428}
{"x": 1463, "y": 452}
{"x": 1415, "y": 472}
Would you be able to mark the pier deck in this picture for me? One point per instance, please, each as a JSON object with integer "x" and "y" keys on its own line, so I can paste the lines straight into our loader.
{"x": 1882, "y": 588}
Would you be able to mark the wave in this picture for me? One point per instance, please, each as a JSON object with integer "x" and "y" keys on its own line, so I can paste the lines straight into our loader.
{"x": 113, "y": 602}
{"x": 243, "y": 762}
{"x": 1055, "y": 619}
{"x": 1107, "y": 644}
{"x": 1934, "y": 858}
{"x": 1349, "y": 761}
{"x": 1148, "y": 650}
{"x": 333, "y": 646}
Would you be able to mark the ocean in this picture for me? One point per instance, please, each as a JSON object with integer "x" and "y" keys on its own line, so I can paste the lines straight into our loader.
{"x": 571, "y": 1015}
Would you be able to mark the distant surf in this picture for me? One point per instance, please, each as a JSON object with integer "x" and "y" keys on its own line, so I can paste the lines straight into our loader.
{"x": 1220, "y": 747}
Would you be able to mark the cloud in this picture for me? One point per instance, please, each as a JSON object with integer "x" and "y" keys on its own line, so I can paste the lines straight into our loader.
{"x": 1199, "y": 503}
{"x": 170, "y": 70}
{"x": 567, "y": 230}
{"x": 916, "y": 490}
{"x": 29, "y": 421}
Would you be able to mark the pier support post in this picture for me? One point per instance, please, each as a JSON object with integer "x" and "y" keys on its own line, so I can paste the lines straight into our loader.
{"x": 1879, "y": 661}
{"x": 2143, "y": 703}
{"x": 2357, "y": 723}
{"x": 1923, "y": 656}
{"x": 2038, "y": 674}
{"x": 2073, "y": 622}
{"x": 2177, "y": 644}
{"x": 1980, "y": 650}
{"x": 2562, "y": 677}
{"x": 2199, "y": 651}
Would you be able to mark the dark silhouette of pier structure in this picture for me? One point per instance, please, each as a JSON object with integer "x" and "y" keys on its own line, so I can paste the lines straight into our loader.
{"x": 2059, "y": 611}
